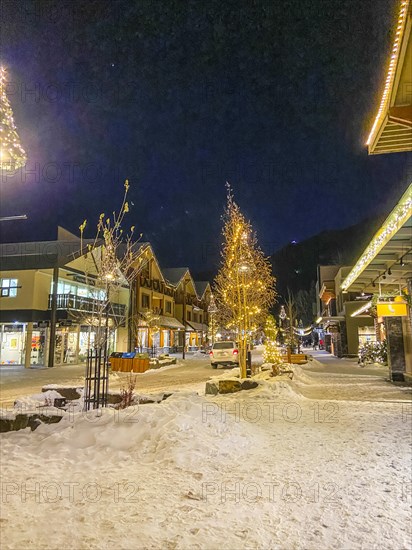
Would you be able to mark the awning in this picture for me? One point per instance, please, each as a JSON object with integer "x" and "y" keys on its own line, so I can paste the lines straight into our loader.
{"x": 170, "y": 322}
{"x": 388, "y": 257}
{"x": 392, "y": 129}
{"x": 198, "y": 327}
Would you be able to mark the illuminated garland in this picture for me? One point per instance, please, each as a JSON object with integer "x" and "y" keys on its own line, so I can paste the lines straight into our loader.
{"x": 399, "y": 215}
{"x": 391, "y": 71}
{"x": 12, "y": 155}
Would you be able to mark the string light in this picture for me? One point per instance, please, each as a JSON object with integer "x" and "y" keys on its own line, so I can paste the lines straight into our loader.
{"x": 12, "y": 155}
{"x": 391, "y": 70}
{"x": 396, "y": 219}
{"x": 244, "y": 284}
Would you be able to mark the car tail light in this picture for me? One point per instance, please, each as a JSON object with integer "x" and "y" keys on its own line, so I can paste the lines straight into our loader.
{"x": 235, "y": 352}
{"x": 210, "y": 352}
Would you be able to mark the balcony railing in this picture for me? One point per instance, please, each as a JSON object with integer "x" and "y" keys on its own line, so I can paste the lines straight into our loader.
{"x": 156, "y": 285}
{"x": 88, "y": 305}
{"x": 189, "y": 299}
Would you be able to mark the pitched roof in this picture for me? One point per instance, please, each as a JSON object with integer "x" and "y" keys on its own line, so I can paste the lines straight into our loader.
{"x": 201, "y": 287}
{"x": 137, "y": 248}
{"x": 175, "y": 274}
{"x": 38, "y": 255}
{"x": 46, "y": 254}
{"x": 391, "y": 130}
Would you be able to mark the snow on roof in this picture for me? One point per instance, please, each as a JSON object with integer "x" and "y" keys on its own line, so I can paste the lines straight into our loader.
{"x": 175, "y": 274}
{"x": 201, "y": 287}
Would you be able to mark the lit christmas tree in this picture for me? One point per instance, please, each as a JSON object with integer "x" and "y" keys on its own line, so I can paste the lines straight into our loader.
{"x": 245, "y": 286}
{"x": 12, "y": 155}
{"x": 272, "y": 353}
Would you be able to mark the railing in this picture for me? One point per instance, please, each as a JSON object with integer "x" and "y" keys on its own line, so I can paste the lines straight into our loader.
{"x": 90, "y": 305}
{"x": 189, "y": 299}
{"x": 156, "y": 285}
{"x": 145, "y": 282}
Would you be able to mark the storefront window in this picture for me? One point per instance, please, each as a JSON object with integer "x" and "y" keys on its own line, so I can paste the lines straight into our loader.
{"x": 142, "y": 338}
{"x": 12, "y": 345}
{"x": 86, "y": 342}
{"x": 38, "y": 341}
{"x": 78, "y": 289}
{"x": 366, "y": 334}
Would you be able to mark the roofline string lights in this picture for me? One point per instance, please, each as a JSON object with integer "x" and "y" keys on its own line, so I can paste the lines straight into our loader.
{"x": 390, "y": 227}
{"x": 12, "y": 154}
{"x": 391, "y": 70}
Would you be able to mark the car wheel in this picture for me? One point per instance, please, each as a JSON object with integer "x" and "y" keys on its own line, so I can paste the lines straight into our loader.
{"x": 214, "y": 365}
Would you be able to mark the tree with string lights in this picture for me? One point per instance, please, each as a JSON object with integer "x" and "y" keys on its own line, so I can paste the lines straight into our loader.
{"x": 245, "y": 286}
{"x": 271, "y": 353}
{"x": 12, "y": 154}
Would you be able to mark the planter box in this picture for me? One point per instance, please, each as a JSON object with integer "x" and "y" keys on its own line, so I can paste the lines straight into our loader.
{"x": 126, "y": 365}
{"x": 115, "y": 363}
{"x": 120, "y": 364}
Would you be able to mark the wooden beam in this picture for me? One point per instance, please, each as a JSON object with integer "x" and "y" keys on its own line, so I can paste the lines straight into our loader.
{"x": 401, "y": 115}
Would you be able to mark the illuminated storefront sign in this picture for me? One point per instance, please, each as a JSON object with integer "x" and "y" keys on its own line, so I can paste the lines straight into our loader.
{"x": 392, "y": 309}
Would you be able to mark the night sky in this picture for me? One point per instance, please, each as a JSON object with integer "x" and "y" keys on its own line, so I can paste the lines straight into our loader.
{"x": 276, "y": 97}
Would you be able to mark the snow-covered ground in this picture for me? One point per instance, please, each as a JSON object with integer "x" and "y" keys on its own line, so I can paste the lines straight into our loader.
{"x": 267, "y": 468}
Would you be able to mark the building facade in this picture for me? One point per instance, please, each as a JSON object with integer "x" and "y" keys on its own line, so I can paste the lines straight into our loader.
{"x": 48, "y": 295}
{"x": 341, "y": 331}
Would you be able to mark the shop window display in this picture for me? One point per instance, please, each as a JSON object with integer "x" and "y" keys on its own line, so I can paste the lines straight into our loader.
{"x": 37, "y": 347}
{"x": 12, "y": 345}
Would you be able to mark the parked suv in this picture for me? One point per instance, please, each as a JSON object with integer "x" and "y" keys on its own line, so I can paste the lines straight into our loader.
{"x": 224, "y": 353}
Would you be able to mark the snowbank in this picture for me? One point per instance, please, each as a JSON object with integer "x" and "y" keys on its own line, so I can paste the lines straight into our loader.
{"x": 264, "y": 468}
{"x": 36, "y": 400}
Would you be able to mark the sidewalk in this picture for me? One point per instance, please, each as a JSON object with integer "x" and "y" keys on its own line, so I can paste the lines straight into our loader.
{"x": 331, "y": 378}
{"x": 17, "y": 380}
{"x": 333, "y": 365}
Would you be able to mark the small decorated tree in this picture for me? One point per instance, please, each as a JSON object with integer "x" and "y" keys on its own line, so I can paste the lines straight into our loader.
{"x": 271, "y": 353}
